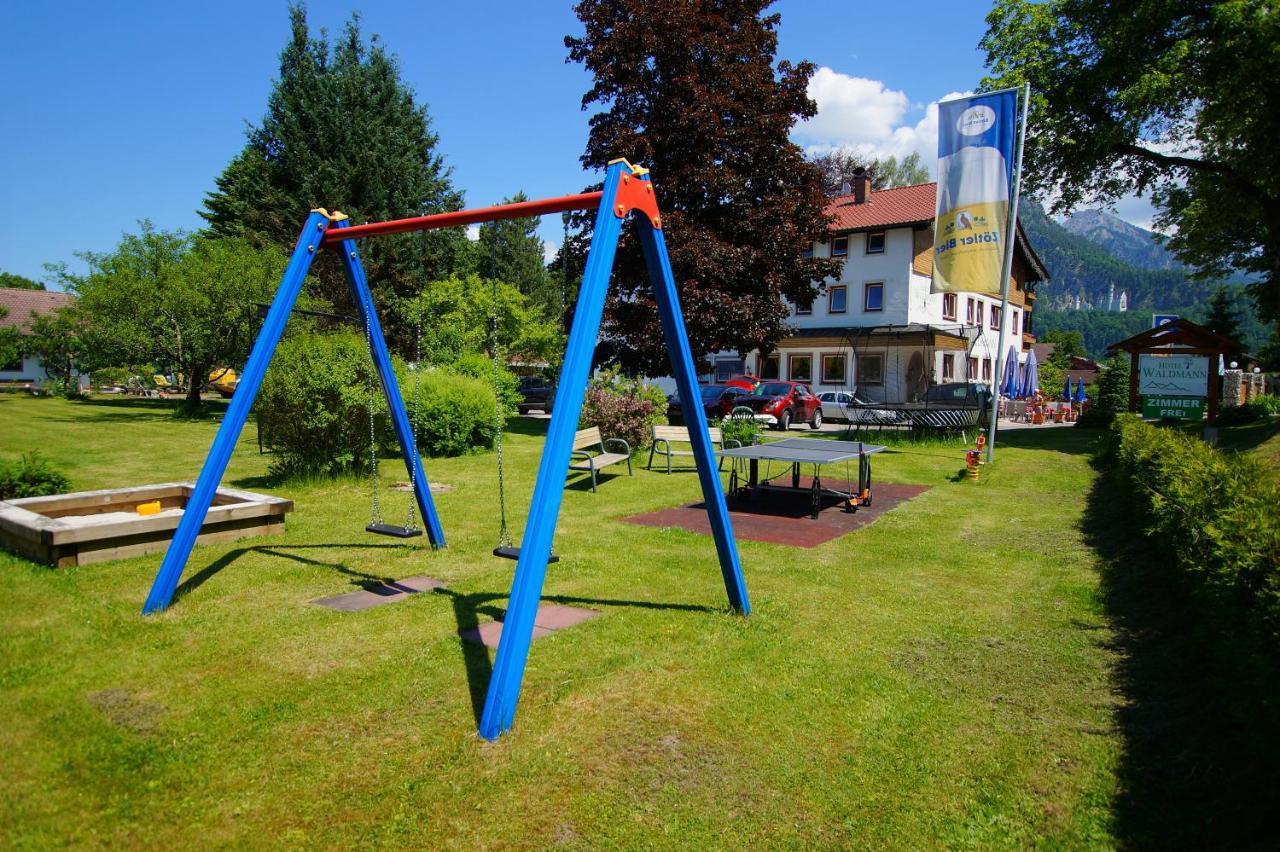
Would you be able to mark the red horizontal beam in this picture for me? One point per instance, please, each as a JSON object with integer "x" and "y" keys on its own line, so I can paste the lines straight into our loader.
{"x": 458, "y": 218}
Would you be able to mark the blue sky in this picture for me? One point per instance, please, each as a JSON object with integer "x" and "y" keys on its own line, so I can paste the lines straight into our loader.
{"x": 117, "y": 112}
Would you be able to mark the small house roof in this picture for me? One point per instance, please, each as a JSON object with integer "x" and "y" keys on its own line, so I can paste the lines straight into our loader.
{"x": 22, "y": 305}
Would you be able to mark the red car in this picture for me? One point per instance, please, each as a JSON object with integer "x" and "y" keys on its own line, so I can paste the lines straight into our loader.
{"x": 782, "y": 403}
{"x": 746, "y": 381}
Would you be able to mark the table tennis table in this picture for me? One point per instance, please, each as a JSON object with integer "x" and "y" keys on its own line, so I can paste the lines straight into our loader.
{"x": 795, "y": 452}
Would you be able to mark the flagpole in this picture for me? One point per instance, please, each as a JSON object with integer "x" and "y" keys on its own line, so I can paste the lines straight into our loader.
{"x": 1006, "y": 270}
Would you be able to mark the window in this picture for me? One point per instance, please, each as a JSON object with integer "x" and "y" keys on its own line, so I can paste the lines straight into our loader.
{"x": 769, "y": 366}
{"x": 948, "y": 367}
{"x": 968, "y": 311}
{"x": 995, "y": 317}
{"x": 875, "y": 242}
{"x": 949, "y": 306}
{"x": 726, "y": 368}
{"x": 834, "y": 369}
{"x": 837, "y": 299}
{"x": 804, "y": 310}
{"x": 840, "y": 247}
{"x": 800, "y": 368}
{"x": 1015, "y": 322}
{"x": 873, "y": 296}
{"x": 870, "y": 370}
{"x": 986, "y": 369}
{"x": 972, "y": 374}
{"x": 977, "y": 313}
{"x": 15, "y": 367}
{"x": 807, "y": 253}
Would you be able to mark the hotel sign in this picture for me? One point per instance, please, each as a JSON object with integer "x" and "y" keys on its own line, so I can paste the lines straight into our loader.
{"x": 1173, "y": 407}
{"x": 1173, "y": 375}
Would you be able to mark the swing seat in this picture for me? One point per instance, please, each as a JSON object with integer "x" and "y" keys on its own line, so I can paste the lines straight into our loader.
{"x": 514, "y": 553}
{"x": 393, "y": 530}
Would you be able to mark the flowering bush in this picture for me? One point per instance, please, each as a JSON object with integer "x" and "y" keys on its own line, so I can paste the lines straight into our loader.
{"x": 623, "y": 408}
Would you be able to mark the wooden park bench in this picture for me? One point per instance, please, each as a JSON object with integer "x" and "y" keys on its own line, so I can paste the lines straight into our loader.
{"x": 665, "y": 436}
{"x": 591, "y": 450}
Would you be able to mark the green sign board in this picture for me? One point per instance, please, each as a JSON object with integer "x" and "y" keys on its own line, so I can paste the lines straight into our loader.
{"x": 1173, "y": 407}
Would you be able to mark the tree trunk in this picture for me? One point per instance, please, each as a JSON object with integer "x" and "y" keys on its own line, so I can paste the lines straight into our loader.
{"x": 195, "y": 379}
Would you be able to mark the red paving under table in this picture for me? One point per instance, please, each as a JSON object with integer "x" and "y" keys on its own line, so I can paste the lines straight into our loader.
{"x": 779, "y": 518}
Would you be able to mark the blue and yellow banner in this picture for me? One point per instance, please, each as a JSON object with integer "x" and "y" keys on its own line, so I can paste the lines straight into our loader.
{"x": 975, "y": 175}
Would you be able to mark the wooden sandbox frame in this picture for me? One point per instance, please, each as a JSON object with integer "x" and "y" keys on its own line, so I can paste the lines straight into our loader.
{"x": 34, "y": 527}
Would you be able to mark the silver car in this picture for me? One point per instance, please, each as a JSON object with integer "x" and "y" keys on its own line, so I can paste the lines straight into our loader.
{"x": 843, "y": 406}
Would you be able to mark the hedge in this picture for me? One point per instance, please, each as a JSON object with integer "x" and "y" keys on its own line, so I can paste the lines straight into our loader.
{"x": 1214, "y": 516}
{"x": 314, "y": 407}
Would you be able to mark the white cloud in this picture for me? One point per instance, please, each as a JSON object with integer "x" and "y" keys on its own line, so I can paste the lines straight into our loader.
{"x": 473, "y": 233}
{"x": 549, "y": 250}
{"x": 868, "y": 118}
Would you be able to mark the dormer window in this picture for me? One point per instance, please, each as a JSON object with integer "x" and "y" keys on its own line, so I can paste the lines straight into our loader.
{"x": 840, "y": 247}
{"x": 875, "y": 242}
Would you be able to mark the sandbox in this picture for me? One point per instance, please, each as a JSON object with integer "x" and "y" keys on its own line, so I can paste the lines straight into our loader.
{"x": 93, "y": 526}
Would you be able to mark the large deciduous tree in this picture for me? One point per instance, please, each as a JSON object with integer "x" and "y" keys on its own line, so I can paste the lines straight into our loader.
{"x": 1175, "y": 98}
{"x": 342, "y": 132}
{"x": 690, "y": 90}
{"x": 171, "y": 298}
{"x": 19, "y": 282}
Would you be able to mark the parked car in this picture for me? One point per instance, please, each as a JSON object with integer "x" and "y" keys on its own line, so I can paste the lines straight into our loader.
{"x": 780, "y": 404}
{"x": 717, "y": 402}
{"x": 746, "y": 381}
{"x": 959, "y": 394}
{"x": 535, "y": 392}
{"x": 843, "y": 406}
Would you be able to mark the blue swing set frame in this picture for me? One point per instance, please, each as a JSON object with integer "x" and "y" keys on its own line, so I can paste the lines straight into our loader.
{"x": 626, "y": 189}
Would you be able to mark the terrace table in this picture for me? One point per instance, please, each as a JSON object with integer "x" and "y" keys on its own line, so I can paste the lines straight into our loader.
{"x": 799, "y": 451}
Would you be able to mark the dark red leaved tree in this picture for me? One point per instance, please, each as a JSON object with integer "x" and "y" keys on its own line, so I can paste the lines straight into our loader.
{"x": 690, "y": 90}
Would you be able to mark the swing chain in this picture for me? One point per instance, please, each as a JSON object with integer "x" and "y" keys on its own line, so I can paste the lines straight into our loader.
{"x": 375, "y": 516}
{"x": 410, "y": 519}
{"x": 504, "y": 535}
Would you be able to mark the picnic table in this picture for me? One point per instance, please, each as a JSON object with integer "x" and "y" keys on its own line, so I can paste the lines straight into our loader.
{"x": 794, "y": 452}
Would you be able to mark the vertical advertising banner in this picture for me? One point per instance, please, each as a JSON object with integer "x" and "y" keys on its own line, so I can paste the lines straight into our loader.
{"x": 975, "y": 173}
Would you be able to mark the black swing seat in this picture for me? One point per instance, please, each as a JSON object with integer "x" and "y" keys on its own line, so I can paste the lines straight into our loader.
{"x": 393, "y": 530}
{"x": 514, "y": 553}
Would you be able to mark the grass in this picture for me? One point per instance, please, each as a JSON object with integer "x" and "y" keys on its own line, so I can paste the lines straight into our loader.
{"x": 951, "y": 675}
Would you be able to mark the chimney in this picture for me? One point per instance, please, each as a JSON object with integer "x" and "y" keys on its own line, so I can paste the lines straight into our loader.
{"x": 861, "y": 185}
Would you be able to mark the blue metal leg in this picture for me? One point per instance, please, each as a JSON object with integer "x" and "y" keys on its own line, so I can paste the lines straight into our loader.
{"x": 215, "y": 465}
{"x": 387, "y": 376}
{"x": 548, "y": 491}
{"x": 664, "y": 291}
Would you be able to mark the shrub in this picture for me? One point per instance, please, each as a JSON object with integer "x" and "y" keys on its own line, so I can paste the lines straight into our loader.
{"x": 1214, "y": 516}
{"x": 314, "y": 407}
{"x": 110, "y": 376}
{"x": 623, "y": 408}
{"x": 481, "y": 367}
{"x": 1112, "y": 394}
{"x": 455, "y": 412}
{"x": 744, "y": 430}
{"x": 30, "y": 477}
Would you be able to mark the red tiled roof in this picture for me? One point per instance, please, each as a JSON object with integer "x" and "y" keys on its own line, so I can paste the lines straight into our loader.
{"x": 903, "y": 205}
{"x": 21, "y": 304}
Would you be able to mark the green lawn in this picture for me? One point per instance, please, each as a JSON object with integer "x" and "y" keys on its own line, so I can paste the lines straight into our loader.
{"x": 944, "y": 677}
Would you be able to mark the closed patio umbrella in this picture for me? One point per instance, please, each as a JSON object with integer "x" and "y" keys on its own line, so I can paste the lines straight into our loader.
{"x": 1030, "y": 376}
{"x": 1066, "y": 390}
{"x": 1081, "y": 396}
{"x": 1009, "y": 376}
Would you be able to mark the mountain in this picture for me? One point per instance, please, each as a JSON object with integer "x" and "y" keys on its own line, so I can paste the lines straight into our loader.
{"x": 1080, "y": 267}
{"x": 1123, "y": 241}
{"x": 1083, "y": 263}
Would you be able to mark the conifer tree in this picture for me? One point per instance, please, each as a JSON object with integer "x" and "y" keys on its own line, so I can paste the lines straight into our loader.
{"x": 342, "y": 131}
{"x": 512, "y": 252}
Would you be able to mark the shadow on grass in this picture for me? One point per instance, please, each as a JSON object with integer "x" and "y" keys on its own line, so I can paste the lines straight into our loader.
{"x": 1068, "y": 439}
{"x": 1200, "y": 721}
{"x": 361, "y": 579}
{"x": 523, "y": 425}
{"x": 468, "y": 609}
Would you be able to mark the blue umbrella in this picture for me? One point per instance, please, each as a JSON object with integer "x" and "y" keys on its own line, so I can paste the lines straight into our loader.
{"x": 1009, "y": 376}
{"x": 1066, "y": 391}
{"x": 1030, "y": 376}
{"x": 1081, "y": 396}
